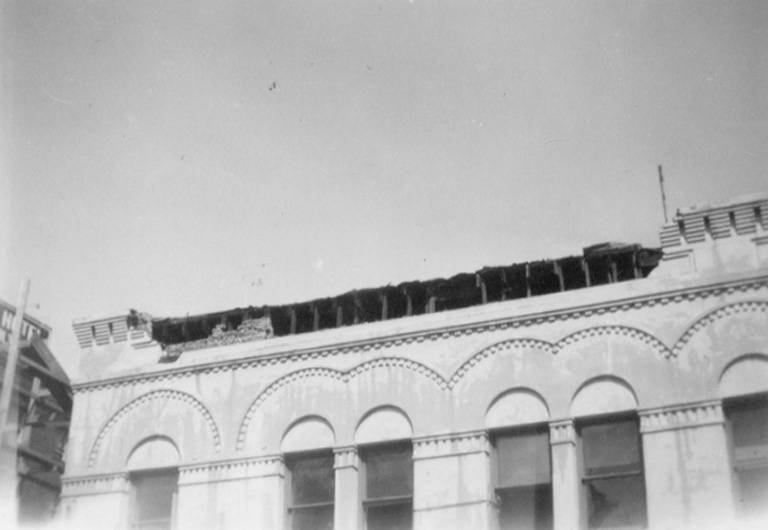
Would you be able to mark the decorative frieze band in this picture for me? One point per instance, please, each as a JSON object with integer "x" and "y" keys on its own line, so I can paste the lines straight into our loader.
{"x": 562, "y": 432}
{"x": 681, "y": 416}
{"x": 95, "y": 484}
{"x": 384, "y": 342}
{"x": 346, "y": 458}
{"x": 450, "y": 444}
{"x": 238, "y": 469}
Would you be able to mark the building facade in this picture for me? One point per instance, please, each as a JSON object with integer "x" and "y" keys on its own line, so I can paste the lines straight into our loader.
{"x": 634, "y": 404}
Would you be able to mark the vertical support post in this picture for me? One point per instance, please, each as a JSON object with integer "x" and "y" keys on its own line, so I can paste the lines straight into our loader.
{"x": 384, "y": 308}
{"x": 315, "y": 318}
{"x": 565, "y": 476}
{"x": 504, "y": 285}
{"x": 613, "y": 271}
{"x": 8, "y": 417}
{"x": 559, "y": 273}
{"x": 636, "y": 266}
{"x": 585, "y": 268}
{"x": 483, "y": 289}
{"x": 408, "y": 303}
{"x": 347, "y": 507}
{"x": 293, "y": 320}
{"x": 527, "y": 279}
{"x": 339, "y": 315}
{"x": 431, "y": 304}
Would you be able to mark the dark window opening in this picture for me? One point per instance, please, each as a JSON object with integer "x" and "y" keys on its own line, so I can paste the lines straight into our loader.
{"x": 523, "y": 480}
{"x": 388, "y": 499}
{"x": 748, "y": 428}
{"x": 613, "y": 473}
{"x": 154, "y": 497}
{"x": 311, "y": 491}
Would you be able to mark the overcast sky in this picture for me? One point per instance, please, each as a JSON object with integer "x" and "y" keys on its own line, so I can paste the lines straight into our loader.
{"x": 180, "y": 157}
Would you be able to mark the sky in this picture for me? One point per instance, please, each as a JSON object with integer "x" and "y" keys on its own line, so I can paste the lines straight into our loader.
{"x": 180, "y": 157}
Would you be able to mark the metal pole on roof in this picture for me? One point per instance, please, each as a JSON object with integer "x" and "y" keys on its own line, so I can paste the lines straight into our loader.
{"x": 663, "y": 195}
{"x": 8, "y": 507}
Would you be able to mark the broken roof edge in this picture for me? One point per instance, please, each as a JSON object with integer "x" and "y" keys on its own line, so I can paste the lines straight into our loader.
{"x": 588, "y": 251}
{"x": 600, "y": 264}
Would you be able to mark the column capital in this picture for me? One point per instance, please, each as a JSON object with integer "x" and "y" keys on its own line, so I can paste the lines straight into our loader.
{"x": 451, "y": 444}
{"x": 684, "y": 416}
{"x": 346, "y": 457}
{"x": 562, "y": 432}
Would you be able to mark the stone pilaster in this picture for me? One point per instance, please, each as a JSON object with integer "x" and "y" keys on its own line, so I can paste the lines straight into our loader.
{"x": 452, "y": 482}
{"x": 566, "y": 494}
{"x": 347, "y": 502}
{"x": 232, "y": 494}
{"x": 95, "y": 501}
{"x": 687, "y": 473}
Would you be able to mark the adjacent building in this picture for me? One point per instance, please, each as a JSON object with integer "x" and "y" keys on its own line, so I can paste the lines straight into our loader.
{"x": 33, "y": 444}
{"x": 625, "y": 388}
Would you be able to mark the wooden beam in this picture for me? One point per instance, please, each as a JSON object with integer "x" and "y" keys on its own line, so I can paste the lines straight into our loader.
{"x": 384, "y": 306}
{"x": 483, "y": 289}
{"x": 585, "y": 268}
{"x": 559, "y": 273}
{"x": 527, "y": 279}
{"x": 408, "y": 303}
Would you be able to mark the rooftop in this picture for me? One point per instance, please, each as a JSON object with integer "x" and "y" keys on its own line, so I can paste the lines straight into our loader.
{"x": 598, "y": 265}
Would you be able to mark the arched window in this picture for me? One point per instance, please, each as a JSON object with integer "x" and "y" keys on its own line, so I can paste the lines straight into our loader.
{"x": 386, "y": 455}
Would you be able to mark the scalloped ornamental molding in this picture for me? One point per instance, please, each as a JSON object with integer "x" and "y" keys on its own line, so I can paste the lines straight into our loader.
{"x": 702, "y": 322}
{"x": 339, "y": 375}
{"x": 655, "y": 344}
{"x": 596, "y": 331}
{"x": 573, "y": 313}
{"x": 146, "y": 398}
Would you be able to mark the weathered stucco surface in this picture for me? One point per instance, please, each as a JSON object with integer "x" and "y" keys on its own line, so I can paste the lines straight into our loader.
{"x": 670, "y": 347}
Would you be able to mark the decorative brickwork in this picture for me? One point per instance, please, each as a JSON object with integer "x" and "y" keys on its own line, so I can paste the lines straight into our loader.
{"x": 450, "y": 444}
{"x": 94, "y": 484}
{"x": 385, "y": 342}
{"x": 562, "y": 432}
{"x": 346, "y": 457}
{"x": 681, "y": 416}
{"x": 144, "y": 399}
{"x": 386, "y": 362}
{"x": 236, "y": 469}
{"x": 757, "y": 306}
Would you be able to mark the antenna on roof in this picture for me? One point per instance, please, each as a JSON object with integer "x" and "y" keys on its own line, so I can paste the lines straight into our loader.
{"x": 663, "y": 195}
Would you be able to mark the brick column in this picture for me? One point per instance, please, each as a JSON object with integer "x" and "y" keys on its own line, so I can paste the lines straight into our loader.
{"x": 347, "y": 508}
{"x": 687, "y": 472}
{"x": 566, "y": 491}
{"x": 452, "y": 486}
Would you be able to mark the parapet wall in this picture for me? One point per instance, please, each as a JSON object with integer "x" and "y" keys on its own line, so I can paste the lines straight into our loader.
{"x": 719, "y": 238}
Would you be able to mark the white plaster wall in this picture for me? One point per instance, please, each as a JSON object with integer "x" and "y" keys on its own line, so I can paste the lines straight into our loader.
{"x": 443, "y": 372}
{"x": 688, "y": 482}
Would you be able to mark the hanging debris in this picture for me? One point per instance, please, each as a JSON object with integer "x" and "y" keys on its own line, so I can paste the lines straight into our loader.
{"x": 600, "y": 264}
